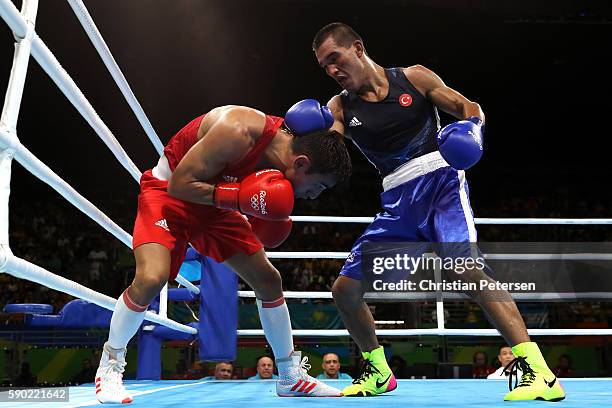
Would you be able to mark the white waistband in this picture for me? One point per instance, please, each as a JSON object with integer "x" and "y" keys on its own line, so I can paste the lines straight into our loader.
{"x": 162, "y": 170}
{"x": 413, "y": 169}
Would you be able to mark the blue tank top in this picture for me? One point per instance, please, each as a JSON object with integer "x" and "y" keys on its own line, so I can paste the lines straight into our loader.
{"x": 397, "y": 129}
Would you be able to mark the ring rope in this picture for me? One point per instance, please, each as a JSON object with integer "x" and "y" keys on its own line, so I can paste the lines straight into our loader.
{"x": 436, "y": 332}
{"x": 61, "y": 78}
{"x": 26, "y": 270}
{"x": 403, "y": 296}
{"x": 96, "y": 38}
{"x": 21, "y": 268}
{"x": 482, "y": 221}
{"x": 66, "y": 84}
{"x": 520, "y": 257}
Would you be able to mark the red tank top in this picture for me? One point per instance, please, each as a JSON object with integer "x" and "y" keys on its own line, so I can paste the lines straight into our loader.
{"x": 181, "y": 142}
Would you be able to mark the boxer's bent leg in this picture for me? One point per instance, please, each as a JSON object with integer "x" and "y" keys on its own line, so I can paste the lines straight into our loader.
{"x": 264, "y": 278}
{"x": 355, "y": 313}
{"x": 259, "y": 273}
{"x": 228, "y": 238}
{"x": 152, "y": 271}
{"x": 348, "y": 290}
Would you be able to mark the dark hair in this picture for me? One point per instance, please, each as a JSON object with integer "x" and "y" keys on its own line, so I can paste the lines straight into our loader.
{"x": 483, "y": 353}
{"x": 327, "y": 153}
{"x": 262, "y": 356}
{"x": 342, "y": 34}
{"x": 503, "y": 347}
{"x": 330, "y": 352}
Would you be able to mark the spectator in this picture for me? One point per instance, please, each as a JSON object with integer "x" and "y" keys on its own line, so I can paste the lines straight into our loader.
{"x": 505, "y": 357}
{"x": 87, "y": 374}
{"x": 331, "y": 368}
{"x": 481, "y": 368}
{"x": 96, "y": 258}
{"x": 398, "y": 366}
{"x": 265, "y": 369}
{"x": 445, "y": 313}
{"x": 180, "y": 372}
{"x": 564, "y": 366}
{"x": 223, "y": 371}
{"x": 25, "y": 377}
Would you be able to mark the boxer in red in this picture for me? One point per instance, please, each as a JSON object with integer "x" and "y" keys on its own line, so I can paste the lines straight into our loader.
{"x": 232, "y": 161}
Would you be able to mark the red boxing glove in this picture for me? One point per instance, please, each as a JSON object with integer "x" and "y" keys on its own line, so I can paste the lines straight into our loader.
{"x": 271, "y": 233}
{"x": 265, "y": 194}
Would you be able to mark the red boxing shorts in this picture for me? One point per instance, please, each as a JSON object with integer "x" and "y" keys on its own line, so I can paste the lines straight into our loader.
{"x": 174, "y": 223}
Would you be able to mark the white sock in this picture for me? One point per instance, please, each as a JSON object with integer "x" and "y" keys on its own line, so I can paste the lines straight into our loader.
{"x": 126, "y": 320}
{"x": 276, "y": 324}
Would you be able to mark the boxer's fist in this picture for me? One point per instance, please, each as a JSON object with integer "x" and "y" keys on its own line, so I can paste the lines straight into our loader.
{"x": 271, "y": 233}
{"x": 460, "y": 143}
{"x": 265, "y": 194}
{"x": 308, "y": 116}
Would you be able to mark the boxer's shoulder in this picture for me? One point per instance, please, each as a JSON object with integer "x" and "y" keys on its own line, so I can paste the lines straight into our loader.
{"x": 238, "y": 126}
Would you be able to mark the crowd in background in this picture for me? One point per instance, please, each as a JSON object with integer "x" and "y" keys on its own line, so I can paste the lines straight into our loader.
{"x": 189, "y": 368}
{"x": 332, "y": 368}
{"x": 56, "y": 236}
{"x": 53, "y": 234}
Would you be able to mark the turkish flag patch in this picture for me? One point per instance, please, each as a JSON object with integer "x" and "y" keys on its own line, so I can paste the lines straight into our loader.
{"x": 405, "y": 99}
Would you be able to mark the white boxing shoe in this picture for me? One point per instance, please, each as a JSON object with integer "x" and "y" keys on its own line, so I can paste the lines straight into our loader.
{"x": 294, "y": 380}
{"x": 109, "y": 377}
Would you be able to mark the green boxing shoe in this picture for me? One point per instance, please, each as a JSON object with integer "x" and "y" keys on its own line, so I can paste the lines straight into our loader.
{"x": 375, "y": 377}
{"x": 537, "y": 381}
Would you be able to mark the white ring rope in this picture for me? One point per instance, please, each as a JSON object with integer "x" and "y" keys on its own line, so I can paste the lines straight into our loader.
{"x": 13, "y": 18}
{"x": 21, "y": 268}
{"x": 482, "y": 221}
{"x": 551, "y": 257}
{"x": 307, "y": 255}
{"x": 96, "y": 38}
{"x": 436, "y": 332}
{"x": 26, "y": 270}
{"x": 64, "y": 82}
{"x": 14, "y": 92}
{"x": 10, "y": 113}
{"x": 519, "y": 257}
{"x": 8, "y": 139}
{"x": 45, "y": 174}
{"x": 403, "y": 296}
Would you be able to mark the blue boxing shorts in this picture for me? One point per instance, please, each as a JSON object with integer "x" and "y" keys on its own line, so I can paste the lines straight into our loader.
{"x": 425, "y": 200}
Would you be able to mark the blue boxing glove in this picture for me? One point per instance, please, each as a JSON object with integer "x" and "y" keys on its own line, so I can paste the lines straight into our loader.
{"x": 308, "y": 116}
{"x": 460, "y": 143}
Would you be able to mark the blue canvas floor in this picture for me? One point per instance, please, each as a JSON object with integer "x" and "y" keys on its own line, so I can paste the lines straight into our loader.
{"x": 594, "y": 393}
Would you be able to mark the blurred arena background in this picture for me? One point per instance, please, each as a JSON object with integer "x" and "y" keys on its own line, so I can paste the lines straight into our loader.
{"x": 540, "y": 71}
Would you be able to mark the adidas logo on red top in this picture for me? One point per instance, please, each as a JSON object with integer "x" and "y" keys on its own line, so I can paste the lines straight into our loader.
{"x": 163, "y": 223}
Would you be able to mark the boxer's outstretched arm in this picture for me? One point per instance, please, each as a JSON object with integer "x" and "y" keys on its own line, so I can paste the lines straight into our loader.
{"x": 228, "y": 136}
{"x": 445, "y": 98}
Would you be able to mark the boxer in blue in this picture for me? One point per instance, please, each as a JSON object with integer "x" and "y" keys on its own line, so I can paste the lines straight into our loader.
{"x": 391, "y": 115}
